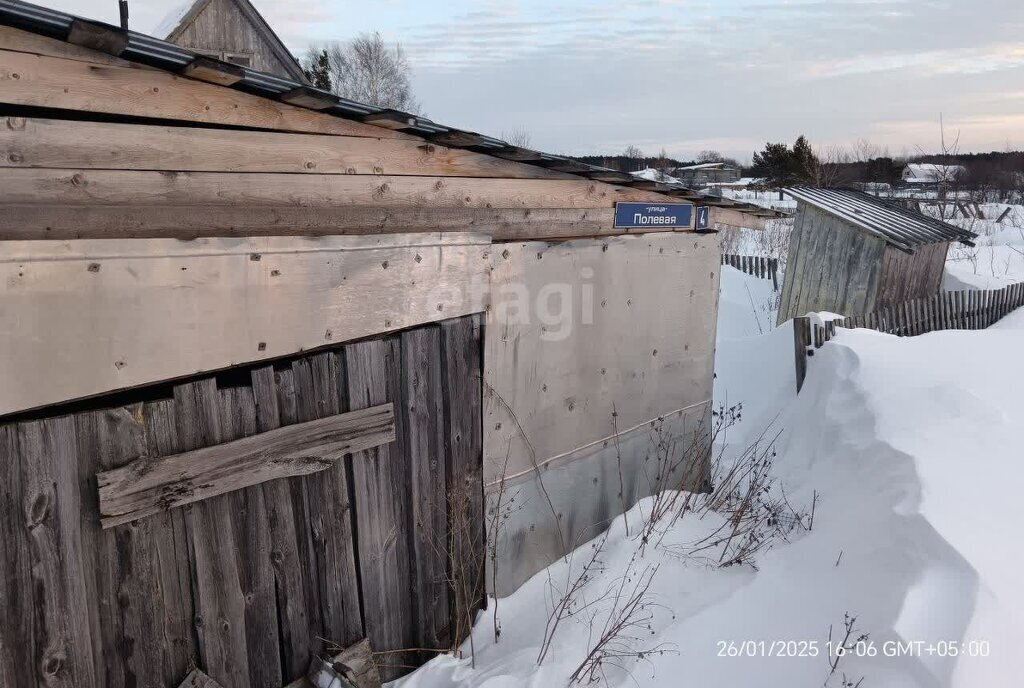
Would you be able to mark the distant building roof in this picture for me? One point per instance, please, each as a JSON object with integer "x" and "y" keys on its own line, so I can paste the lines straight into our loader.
{"x": 928, "y": 173}
{"x": 654, "y": 175}
{"x": 702, "y": 166}
{"x": 905, "y": 229}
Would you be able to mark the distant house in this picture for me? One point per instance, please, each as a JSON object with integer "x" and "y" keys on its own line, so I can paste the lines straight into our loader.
{"x": 853, "y": 253}
{"x": 705, "y": 174}
{"x": 925, "y": 174}
{"x": 232, "y": 31}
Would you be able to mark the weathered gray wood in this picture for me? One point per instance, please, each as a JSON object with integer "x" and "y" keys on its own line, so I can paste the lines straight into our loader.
{"x": 216, "y": 589}
{"x": 423, "y": 411}
{"x": 62, "y": 646}
{"x": 17, "y": 632}
{"x": 197, "y": 679}
{"x": 801, "y": 340}
{"x": 289, "y": 541}
{"x": 174, "y": 553}
{"x": 333, "y": 565}
{"x": 252, "y": 534}
{"x": 462, "y": 362}
{"x": 381, "y": 487}
{"x": 151, "y": 485}
{"x": 124, "y": 577}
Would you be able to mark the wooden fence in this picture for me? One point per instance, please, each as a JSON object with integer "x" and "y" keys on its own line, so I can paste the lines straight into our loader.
{"x": 250, "y": 583}
{"x": 757, "y": 266}
{"x": 948, "y": 310}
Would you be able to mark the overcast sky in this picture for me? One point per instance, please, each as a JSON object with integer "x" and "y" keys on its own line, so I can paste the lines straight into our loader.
{"x": 686, "y": 75}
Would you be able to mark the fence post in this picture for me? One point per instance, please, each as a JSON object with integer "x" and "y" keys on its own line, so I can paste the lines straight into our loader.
{"x": 801, "y": 340}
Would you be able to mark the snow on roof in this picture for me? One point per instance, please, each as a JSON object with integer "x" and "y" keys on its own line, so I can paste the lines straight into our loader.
{"x": 929, "y": 173}
{"x": 654, "y": 175}
{"x": 172, "y": 19}
{"x": 701, "y": 166}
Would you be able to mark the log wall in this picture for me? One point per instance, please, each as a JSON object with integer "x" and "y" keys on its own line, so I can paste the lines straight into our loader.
{"x": 247, "y": 585}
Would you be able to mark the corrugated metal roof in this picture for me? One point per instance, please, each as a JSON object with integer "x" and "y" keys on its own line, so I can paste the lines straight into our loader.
{"x": 898, "y": 226}
{"x": 159, "y": 53}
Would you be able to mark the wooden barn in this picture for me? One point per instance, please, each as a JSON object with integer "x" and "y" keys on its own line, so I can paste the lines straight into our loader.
{"x": 232, "y": 31}
{"x": 273, "y": 360}
{"x": 853, "y": 253}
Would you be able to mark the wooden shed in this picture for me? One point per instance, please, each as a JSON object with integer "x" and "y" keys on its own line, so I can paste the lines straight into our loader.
{"x": 233, "y": 31}
{"x": 852, "y": 253}
{"x": 269, "y": 356}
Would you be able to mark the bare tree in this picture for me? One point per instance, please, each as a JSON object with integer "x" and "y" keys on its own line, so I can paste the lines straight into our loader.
{"x": 517, "y": 137}
{"x": 634, "y": 157}
{"x": 368, "y": 70}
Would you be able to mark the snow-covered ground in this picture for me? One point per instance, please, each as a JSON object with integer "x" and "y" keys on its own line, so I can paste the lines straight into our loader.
{"x": 906, "y": 451}
{"x": 998, "y": 257}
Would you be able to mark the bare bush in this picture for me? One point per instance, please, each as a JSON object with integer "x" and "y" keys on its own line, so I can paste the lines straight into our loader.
{"x": 851, "y": 638}
{"x": 625, "y": 627}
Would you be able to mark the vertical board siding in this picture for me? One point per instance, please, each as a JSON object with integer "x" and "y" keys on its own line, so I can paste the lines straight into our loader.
{"x": 248, "y": 584}
{"x": 381, "y": 487}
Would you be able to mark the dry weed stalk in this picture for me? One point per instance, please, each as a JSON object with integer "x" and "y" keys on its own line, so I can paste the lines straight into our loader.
{"x": 626, "y": 624}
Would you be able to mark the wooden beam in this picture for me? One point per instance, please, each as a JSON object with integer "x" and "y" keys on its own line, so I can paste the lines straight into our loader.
{"x": 148, "y": 486}
{"x": 115, "y": 187}
{"x": 97, "y": 36}
{"x": 191, "y": 222}
{"x": 40, "y": 81}
{"x": 458, "y": 138}
{"x": 517, "y": 153}
{"x": 109, "y": 315}
{"x": 55, "y": 143}
{"x": 214, "y": 71}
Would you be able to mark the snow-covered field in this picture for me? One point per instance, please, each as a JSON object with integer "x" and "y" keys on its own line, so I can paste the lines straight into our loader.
{"x": 885, "y": 506}
{"x": 998, "y": 257}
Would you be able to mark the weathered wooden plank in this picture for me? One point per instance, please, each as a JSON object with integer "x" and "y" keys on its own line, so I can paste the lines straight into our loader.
{"x": 801, "y": 340}
{"x": 197, "y": 679}
{"x": 123, "y": 576}
{"x": 174, "y": 552}
{"x": 216, "y": 589}
{"x": 63, "y": 648}
{"x": 212, "y": 303}
{"x": 69, "y": 84}
{"x": 17, "y": 633}
{"x": 139, "y": 187}
{"x": 190, "y": 222}
{"x": 252, "y": 534}
{"x": 462, "y": 364}
{"x": 289, "y": 539}
{"x": 151, "y": 485}
{"x": 317, "y": 394}
{"x": 54, "y": 143}
{"x": 381, "y": 487}
{"x": 423, "y": 410}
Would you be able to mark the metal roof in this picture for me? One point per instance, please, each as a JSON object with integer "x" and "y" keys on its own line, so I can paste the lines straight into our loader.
{"x": 138, "y": 47}
{"x": 905, "y": 229}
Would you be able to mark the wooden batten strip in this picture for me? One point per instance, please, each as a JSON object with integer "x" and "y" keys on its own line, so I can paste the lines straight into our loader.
{"x": 214, "y": 71}
{"x": 308, "y": 97}
{"x": 103, "y": 38}
{"x": 69, "y": 84}
{"x": 150, "y": 485}
{"x": 459, "y": 139}
{"x": 391, "y": 119}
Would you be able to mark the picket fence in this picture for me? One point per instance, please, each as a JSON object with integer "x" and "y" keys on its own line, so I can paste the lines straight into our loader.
{"x": 757, "y": 266}
{"x": 949, "y": 310}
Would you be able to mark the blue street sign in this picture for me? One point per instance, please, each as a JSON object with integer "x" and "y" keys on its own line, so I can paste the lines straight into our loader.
{"x": 703, "y": 217}
{"x": 667, "y": 215}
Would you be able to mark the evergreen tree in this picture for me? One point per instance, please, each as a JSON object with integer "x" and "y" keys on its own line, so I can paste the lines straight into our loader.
{"x": 318, "y": 70}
